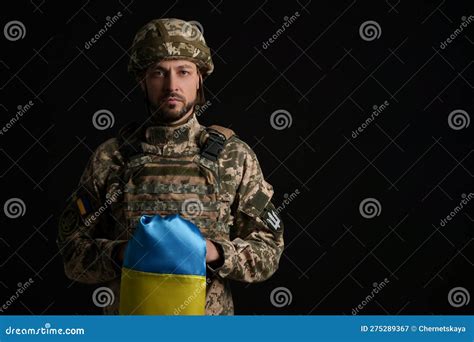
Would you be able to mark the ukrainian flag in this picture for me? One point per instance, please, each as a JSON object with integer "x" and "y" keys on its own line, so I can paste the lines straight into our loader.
{"x": 164, "y": 269}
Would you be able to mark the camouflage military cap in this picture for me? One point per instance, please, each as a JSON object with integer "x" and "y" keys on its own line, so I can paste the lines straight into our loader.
{"x": 169, "y": 39}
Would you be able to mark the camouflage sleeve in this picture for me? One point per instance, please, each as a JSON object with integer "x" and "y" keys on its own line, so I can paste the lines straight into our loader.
{"x": 256, "y": 240}
{"x": 86, "y": 248}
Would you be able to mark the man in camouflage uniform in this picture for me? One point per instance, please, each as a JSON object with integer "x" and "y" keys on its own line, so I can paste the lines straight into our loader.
{"x": 172, "y": 164}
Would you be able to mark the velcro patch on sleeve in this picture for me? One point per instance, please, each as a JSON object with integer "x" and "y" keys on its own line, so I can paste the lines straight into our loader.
{"x": 271, "y": 217}
{"x": 84, "y": 205}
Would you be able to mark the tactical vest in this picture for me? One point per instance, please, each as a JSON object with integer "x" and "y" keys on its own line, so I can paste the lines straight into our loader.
{"x": 186, "y": 183}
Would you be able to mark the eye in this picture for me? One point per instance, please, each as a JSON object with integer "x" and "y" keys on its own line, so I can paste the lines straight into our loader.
{"x": 184, "y": 72}
{"x": 158, "y": 73}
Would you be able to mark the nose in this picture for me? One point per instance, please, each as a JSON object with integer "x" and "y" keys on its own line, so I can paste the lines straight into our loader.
{"x": 172, "y": 82}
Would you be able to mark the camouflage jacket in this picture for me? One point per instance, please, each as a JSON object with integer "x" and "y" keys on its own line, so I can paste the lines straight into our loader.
{"x": 234, "y": 211}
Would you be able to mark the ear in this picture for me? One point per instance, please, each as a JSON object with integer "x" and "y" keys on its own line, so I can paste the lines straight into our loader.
{"x": 199, "y": 80}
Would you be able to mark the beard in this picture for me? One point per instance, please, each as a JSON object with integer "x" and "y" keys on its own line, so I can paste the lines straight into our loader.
{"x": 165, "y": 113}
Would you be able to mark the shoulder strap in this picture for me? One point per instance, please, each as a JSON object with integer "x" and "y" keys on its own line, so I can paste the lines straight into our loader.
{"x": 213, "y": 140}
{"x": 227, "y": 132}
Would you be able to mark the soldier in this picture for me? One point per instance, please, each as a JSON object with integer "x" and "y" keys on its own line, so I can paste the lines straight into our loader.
{"x": 171, "y": 164}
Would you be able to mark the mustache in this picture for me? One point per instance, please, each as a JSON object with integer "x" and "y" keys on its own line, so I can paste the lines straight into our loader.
{"x": 162, "y": 103}
{"x": 174, "y": 95}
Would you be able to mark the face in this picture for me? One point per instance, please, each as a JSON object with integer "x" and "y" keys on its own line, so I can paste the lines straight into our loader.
{"x": 172, "y": 87}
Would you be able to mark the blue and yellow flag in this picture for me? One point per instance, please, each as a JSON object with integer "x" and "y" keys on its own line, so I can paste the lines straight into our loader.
{"x": 164, "y": 269}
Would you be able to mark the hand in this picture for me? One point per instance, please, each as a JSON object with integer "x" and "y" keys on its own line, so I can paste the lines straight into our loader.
{"x": 212, "y": 254}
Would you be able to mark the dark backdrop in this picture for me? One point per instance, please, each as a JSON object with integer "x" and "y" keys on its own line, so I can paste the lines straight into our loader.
{"x": 413, "y": 161}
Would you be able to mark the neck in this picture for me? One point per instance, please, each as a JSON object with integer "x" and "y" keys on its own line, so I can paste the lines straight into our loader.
{"x": 182, "y": 131}
{"x": 183, "y": 120}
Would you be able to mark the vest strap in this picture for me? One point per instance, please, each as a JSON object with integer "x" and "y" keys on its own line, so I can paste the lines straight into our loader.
{"x": 213, "y": 141}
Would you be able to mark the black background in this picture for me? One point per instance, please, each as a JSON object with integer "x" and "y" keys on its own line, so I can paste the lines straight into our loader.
{"x": 328, "y": 78}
